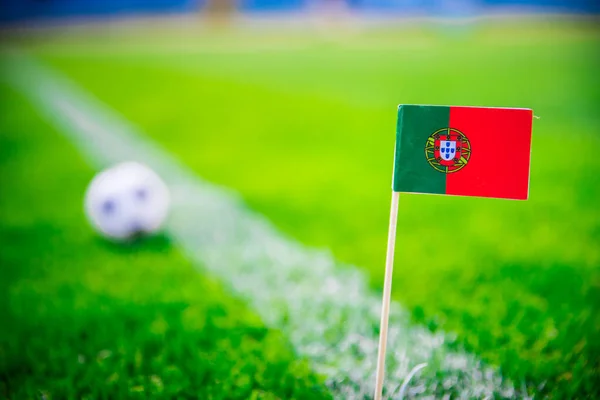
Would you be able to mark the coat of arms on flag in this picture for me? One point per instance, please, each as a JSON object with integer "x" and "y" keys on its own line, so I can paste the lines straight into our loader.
{"x": 448, "y": 150}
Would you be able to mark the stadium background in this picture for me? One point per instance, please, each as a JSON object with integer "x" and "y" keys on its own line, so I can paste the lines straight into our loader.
{"x": 18, "y": 10}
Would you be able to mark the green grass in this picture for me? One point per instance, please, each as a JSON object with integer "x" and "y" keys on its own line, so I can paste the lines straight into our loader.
{"x": 84, "y": 318}
{"x": 303, "y": 128}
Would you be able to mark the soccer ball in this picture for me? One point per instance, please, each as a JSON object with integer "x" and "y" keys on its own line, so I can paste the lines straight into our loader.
{"x": 126, "y": 201}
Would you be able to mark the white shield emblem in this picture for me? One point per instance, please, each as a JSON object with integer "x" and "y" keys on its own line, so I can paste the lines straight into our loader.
{"x": 447, "y": 149}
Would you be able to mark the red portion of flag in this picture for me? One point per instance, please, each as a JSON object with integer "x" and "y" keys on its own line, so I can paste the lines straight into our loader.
{"x": 500, "y": 140}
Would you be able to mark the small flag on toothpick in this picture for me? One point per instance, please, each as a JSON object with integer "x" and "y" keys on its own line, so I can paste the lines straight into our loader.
{"x": 461, "y": 151}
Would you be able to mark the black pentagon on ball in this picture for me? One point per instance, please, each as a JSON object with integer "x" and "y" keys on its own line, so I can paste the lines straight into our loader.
{"x": 108, "y": 206}
{"x": 141, "y": 194}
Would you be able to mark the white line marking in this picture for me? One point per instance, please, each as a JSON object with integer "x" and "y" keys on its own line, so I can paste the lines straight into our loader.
{"x": 412, "y": 373}
{"x": 326, "y": 310}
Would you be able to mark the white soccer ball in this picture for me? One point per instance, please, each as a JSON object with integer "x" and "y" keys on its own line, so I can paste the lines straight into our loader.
{"x": 127, "y": 200}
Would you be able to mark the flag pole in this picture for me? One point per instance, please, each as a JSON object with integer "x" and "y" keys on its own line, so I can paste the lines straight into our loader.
{"x": 387, "y": 292}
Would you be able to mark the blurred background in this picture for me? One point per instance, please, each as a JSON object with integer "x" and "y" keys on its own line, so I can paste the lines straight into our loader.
{"x": 15, "y": 10}
{"x": 292, "y": 104}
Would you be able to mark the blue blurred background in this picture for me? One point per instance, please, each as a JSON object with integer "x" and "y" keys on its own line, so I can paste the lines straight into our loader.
{"x": 18, "y": 10}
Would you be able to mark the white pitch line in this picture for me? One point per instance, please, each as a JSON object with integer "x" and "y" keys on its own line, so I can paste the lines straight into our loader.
{"x": 325, "y": 309}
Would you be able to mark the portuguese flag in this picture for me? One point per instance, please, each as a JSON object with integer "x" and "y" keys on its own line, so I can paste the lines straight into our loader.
{"x": 463, "y": 151}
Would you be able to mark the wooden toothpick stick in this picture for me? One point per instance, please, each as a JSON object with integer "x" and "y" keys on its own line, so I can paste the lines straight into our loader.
{"x": 387, "y": 292}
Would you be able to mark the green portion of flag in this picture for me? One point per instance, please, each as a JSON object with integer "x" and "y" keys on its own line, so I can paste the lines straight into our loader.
{"x": 412, "y": 172}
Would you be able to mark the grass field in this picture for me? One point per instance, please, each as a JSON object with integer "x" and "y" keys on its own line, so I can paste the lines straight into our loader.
{"x": 302, "y": 126}
{"x": 84, "y": 318}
